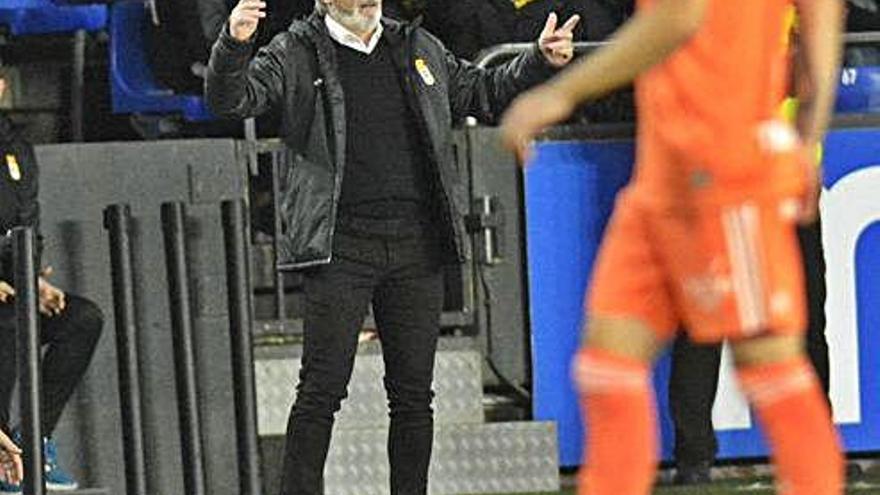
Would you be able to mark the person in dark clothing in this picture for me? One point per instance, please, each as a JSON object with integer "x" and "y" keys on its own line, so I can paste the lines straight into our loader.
{"x": 70, "y": 325}
{"x": 861, "y": 16}
{"x": 372, "y": 204}
{"x": 694, "y": 376}
{"x": 177, "y": 44}
{"x": 181, "y": 33}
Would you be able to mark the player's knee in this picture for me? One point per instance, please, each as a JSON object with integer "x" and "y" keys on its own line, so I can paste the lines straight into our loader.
{"x": 626, "y": 337}
{"x": 768, "y": 349}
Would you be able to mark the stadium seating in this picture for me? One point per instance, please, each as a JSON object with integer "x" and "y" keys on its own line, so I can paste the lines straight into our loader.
{"x": 134, "y": 87}
{"x": 859, "y": 90}
{"x": 35, "y": 17}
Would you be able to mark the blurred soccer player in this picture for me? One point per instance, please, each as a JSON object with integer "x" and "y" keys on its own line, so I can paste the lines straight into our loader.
{"x": 705, "y": 232}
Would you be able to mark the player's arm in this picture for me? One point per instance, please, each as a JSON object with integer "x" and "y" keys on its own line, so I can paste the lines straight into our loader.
{"x": 644, "y": 41}
{"x": 821, "y": 25}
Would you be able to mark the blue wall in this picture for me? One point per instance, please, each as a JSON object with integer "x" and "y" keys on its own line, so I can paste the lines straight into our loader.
{"x": 570, "y": 189}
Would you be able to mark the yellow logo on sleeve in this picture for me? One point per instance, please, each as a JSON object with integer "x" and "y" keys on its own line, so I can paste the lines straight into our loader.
{"x": 425, "y": 72}
{"x": 14, "y": 168}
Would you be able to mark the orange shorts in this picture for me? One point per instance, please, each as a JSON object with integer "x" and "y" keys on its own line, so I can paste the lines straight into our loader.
{"x": 723, "y": 271}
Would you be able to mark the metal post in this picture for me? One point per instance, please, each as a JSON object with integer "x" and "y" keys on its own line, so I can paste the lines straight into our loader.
{"x": 117, "y": 220}
{"x": 240, "y": 325}
{"x": 250, "y": 139}
{"x": 77, "y": 83}
{"x": 277, "y": 157}
{"x": 173, "y": 229}
{"x": 28, "y": 330}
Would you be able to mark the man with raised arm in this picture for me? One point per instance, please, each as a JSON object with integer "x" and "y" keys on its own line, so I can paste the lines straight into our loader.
{"x": 372, "y": 203}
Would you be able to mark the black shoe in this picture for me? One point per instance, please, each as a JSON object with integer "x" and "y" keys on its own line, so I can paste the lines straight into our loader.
{"x": 693, "y": 474}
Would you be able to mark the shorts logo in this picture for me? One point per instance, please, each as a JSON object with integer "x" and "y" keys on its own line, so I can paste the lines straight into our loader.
{"x": 707, "y": 291}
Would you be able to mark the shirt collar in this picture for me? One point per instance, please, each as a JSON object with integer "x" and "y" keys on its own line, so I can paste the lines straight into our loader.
{"x": 345, "y": 37}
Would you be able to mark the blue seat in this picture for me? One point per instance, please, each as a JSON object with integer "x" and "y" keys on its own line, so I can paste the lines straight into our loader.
{"x": 859, "y": 90}
{"x": 34, "y": 17}
{"x": 134, "y": 88}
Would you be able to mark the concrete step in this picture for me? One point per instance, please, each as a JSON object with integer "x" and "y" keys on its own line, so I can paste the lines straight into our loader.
{"x": 518, "y": 457}
{"x": 457, "y": 386}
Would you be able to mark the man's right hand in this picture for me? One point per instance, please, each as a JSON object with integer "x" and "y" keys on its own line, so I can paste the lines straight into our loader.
{"x": 6, "y": 292}
{"x": 11, "y": 470}
{"x": 245, "y": 18}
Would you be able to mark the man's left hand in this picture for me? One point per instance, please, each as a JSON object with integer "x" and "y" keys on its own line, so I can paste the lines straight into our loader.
{"x": 52, "y": 299}
{"x": 556, "y": 44}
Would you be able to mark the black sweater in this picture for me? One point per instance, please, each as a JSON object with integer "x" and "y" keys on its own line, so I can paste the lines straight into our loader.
{"x": 385, "y": 162}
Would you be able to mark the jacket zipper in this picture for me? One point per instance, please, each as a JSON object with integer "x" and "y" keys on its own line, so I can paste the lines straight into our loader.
{"x": 409, "y": 53}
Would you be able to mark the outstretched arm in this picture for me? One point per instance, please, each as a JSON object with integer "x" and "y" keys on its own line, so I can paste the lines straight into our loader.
{"x": 236, "y": 85}
{"x": 818, "y": 63}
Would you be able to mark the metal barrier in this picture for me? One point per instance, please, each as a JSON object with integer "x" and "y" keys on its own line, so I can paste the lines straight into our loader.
{"x": 173, "y": 230}
{"x": 117, "y": 221}
{"x": 240, "y": 325}
{"x": 28, "y": 338}
{"x": 492, "y": 55}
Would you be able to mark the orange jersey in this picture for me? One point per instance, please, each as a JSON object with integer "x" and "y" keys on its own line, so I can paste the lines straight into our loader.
{"x": 708, "y": 125}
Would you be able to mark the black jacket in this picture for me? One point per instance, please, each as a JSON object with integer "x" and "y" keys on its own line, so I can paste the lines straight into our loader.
{"x": 297, "y": 71}
{"x": 18, "y": 193}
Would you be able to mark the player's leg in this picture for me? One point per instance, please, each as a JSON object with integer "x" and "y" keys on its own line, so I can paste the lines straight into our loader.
{"x": 781, "y": 385}
{"x": 613, "y": 371}
{"x": 775, "y": 373}
{"x": 629, "y": 321}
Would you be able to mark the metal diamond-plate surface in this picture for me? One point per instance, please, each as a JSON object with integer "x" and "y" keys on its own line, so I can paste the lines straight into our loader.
{"x": 457, "y": 387}
{"x": 491, "y": 458}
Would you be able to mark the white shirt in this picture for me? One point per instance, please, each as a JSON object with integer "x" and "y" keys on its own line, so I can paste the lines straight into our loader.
{"x": 345, "y": 37}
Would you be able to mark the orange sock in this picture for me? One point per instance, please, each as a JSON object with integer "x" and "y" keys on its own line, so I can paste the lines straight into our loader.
{"x": 797, "y": 424}
{"x": 618, "y": 403}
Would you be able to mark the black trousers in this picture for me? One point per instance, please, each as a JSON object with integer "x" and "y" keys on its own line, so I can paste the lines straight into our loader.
{"x": 70, "y": 339}
{"x": 402, "y": 278}
{"x": 694, "y": 376}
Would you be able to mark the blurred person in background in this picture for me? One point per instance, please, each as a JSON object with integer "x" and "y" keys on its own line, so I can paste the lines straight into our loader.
{"x": 704, "y": 234}
{"x": 70, "y": 325}
{"x": 181, "y": 33}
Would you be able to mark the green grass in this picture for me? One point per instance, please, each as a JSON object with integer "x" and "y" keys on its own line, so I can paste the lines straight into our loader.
{"x": 865, "y": 486}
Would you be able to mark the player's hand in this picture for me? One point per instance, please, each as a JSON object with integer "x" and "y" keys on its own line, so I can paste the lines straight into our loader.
{"x": 808, "y": 212}
{"x": 52, "y": 299}
{"x": 529, "y": 114}
{"x": 11, "y": 469}
{"x": 6, "y": 292}
{"x": 556, "y": 44}
{"x": 245, "y": 18}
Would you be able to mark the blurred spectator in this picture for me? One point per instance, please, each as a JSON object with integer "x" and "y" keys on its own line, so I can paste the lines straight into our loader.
{"x": 861, "y": 16}
{"x": 468, "y": 26}
{"x": 178, "y": 46}
{"x": 70, "y": 325}
{"x": 182, "y": 32}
